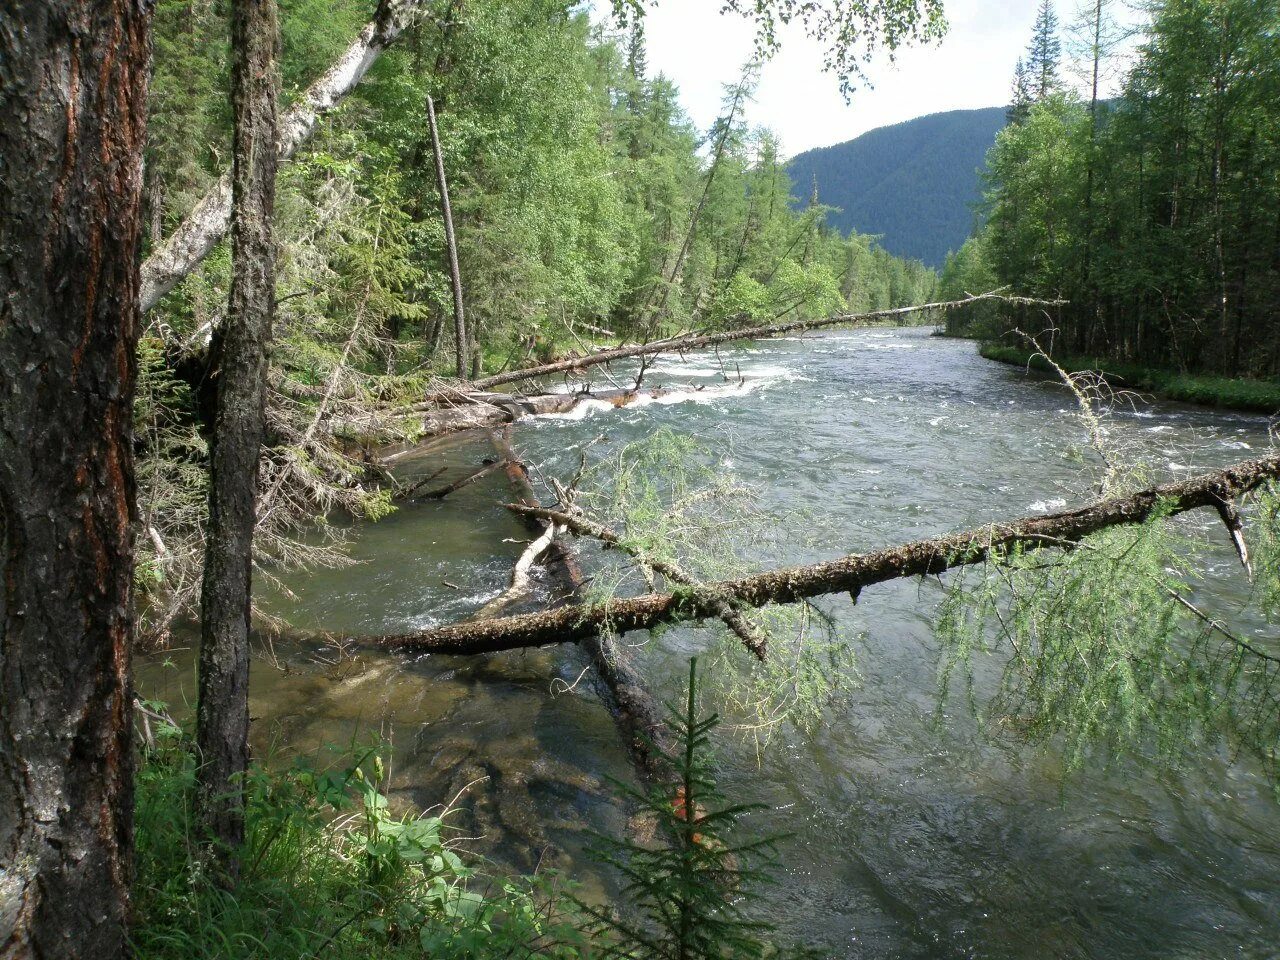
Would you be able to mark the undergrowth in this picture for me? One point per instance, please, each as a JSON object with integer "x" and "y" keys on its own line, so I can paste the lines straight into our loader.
{"x": 327, "y": 870}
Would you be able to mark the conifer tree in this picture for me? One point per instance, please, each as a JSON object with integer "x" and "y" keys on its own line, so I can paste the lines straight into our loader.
{"x": 1020, "y": 102}
{"x": 1044, "y": 53}
{"x": 690, "y": 891}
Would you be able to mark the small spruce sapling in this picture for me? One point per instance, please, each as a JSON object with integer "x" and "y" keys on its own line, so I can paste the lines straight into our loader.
{"x": 689, "y": 892}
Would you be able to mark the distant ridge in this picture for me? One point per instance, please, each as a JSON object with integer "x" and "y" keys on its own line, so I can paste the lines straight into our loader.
{"x": 913, "y": 183}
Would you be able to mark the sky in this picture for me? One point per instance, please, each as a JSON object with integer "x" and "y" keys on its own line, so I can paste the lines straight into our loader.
{"x": 698, "y": 48}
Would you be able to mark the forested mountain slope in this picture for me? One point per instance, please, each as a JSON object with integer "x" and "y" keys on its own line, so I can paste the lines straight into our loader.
{"x": 914, "y": 183}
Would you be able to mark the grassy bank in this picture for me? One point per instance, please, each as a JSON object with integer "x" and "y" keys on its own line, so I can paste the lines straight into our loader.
{"x": 1259, "y": 396}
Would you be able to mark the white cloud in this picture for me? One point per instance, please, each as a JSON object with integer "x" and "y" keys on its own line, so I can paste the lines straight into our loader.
{"x": 701, "y": 50}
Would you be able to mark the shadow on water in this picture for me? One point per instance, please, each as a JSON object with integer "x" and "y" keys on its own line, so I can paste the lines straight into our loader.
{"x": 907, "y": 836}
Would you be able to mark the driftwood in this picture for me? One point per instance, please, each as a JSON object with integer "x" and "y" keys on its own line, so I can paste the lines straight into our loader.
{"x": 850, "y": 574}
{"x": 726, "y": 608}
{"x": 521, "y": 578}
{"x": 637, "y": 714}
{"x": 196, "y": 236}
{"x": 484, "y": 471}
{"x": 693, "y": 341}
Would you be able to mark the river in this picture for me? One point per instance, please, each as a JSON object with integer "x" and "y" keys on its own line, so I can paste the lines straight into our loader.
{"x": 907, "y": 836}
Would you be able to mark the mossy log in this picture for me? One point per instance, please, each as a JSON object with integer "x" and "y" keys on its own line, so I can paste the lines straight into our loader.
{"x": 850, "y": 574}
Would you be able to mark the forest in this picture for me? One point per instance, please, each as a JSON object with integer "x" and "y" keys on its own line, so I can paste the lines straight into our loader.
{"x": 452, "y": 506}
{"x": 1155, "y": 215}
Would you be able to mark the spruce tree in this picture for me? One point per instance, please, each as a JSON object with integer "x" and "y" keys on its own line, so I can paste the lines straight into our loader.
{"x": 689, "y": 893}
{"x": 1044, "y": 53}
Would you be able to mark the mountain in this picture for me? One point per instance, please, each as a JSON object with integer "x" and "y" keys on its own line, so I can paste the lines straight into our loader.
{"x": 914, "y": 183}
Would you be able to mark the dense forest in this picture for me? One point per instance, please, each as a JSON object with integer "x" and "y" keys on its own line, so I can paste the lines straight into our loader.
{"x": 285, "y": 281}
{"x": 913, "y": 185}
{"x": 1156, "y": 216}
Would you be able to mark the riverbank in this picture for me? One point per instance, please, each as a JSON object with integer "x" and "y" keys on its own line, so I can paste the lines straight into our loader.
{"x": 1257, "y": 396}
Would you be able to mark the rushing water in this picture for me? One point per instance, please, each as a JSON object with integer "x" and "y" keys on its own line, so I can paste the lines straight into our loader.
{"x": 907, "y": 837}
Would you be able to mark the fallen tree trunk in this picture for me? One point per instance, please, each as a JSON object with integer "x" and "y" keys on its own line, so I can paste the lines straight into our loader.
{"x": 196, "y": 236}
{"x": 850, "y": 574}
{"x": 696, "y": 341}
{"x": 466, "y": 481}
{"x": 637, "y": 714}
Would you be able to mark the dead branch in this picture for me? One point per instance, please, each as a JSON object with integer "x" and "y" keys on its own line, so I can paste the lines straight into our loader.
{"x": 466, "y": 481}
{"x": 637, "y": 714}
{"x": 850, "y": 574}
{"x": 520, "y": 577}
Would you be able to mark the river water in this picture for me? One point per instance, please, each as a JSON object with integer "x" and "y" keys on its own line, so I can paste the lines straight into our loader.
{"x": 907, "y": 835}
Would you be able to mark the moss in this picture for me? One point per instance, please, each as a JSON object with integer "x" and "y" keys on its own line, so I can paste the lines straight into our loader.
{"x": 1260, "y": 396}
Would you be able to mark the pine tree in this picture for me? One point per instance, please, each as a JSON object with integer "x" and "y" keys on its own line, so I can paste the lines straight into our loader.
{"x": 1044, "y": 53}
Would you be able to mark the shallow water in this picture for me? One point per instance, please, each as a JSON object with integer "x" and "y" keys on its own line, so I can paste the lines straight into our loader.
{"x": 907, "y": 838}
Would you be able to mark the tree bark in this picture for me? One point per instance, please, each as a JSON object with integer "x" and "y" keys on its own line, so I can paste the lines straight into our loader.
{"x": 638, "y": 716}
{"x": 455, "y": 275}
{"x": 73, "y": 87}
{"x": 850, "y": 574}
{"x": 724, "y": 608}
{"x": 196, "y": 236}
{"x": 222, "y": 713}
{"x": 696, "y": 341}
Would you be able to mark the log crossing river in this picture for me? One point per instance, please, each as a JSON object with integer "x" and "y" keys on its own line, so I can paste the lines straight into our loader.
{"x": 908, "y": 836}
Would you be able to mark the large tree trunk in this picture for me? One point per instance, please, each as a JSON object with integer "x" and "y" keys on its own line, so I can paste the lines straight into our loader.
{"x": 455, "y": 275}
{"x": 222, "y": 717}
{"x": 188, "y": 245}
{"x": 73, "y": 82}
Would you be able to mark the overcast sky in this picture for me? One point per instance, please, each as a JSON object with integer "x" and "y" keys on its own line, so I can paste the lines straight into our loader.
{"x": 701, "y": 50}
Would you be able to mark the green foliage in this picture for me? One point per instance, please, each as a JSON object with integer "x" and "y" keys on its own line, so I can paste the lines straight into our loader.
{"x": 1153, "y": 215}
{"x": 671, "y": 499}
{"x": 688, "y": 893}
{"x": 1089, "y": 631}
{"x": 1267, "y": 559}
{"x": 327, "y": 869}
{"x": 1102, "y": 656}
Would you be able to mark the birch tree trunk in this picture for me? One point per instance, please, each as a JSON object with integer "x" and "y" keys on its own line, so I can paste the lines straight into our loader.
{"x": 73, "y": 86}
{"x": 240, "y": 371}
{"x": 196, "y": 236}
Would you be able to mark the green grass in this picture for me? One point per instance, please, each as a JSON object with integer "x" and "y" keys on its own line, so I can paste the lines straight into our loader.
{"x": 1260, "y": 396}
{"x": 327, "y": 870}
